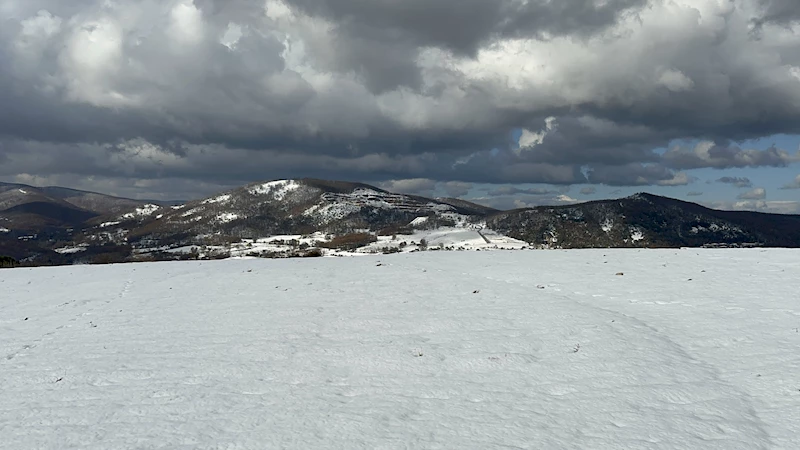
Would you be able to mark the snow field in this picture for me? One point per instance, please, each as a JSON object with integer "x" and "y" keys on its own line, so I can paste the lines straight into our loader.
{"x": 687, "y": 349}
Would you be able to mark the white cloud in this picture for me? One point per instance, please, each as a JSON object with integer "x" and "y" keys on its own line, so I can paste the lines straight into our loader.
{"x": 186, "y": 25}
{"x": 529, "y": 139}
{"x": 755, "y": 194}
{"x": 675, "y": 81}
{"x": 680, "y": 179}
{"x": 795, "y": 184}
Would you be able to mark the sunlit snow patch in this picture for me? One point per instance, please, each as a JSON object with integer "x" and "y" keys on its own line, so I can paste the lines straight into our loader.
{"x": 226, "y": 217}
{"x": 418, "y": 221}
{"x": 71, "y": 249}
{"x": 4, "y": 230}
{"x": 220, "y": 199}
{"x": 278, "y": 189}
{"x": 145, "y": 210}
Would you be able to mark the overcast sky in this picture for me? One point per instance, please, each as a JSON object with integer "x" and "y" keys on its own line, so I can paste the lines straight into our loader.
{"x": 513, "y": 102}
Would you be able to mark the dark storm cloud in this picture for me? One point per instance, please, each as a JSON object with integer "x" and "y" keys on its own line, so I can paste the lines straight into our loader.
{"x": 740, "y": 182}
{"x": 611, "y": 143}
{"x": 726, "y": 156}
{"x": 464, "y": 25}
{"x": 779, "y": 11}
{"x": 512, "y": 190}
{"x": 226, "y": 92}
{"x": 638, "y": 175}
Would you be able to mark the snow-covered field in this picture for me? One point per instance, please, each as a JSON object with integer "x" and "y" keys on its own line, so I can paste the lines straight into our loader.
{"x": 445, "y": 238}
{"x": 688, "y": 349}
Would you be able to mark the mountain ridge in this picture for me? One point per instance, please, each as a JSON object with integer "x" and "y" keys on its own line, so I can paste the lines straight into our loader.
{"x": 333, "y": 210}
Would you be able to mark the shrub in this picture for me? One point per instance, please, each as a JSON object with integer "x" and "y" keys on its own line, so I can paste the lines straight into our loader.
{"x": 350, "y": 241}
{"x": 313, "y": 253}
{"x": 8, "y": 262}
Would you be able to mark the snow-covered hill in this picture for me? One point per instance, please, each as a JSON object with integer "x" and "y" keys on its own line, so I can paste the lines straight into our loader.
{"x": 276, "y": 208}
{"x": 600, "y": 349}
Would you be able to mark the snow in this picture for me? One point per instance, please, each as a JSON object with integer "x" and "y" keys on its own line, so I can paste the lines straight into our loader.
{"x": 22, "y": 191}
{"x": 636, "y": 235}
{"x": 607, "y": 225}
{"x": 688, "y": 349}
{"x": 281, "y": 244}
{"x": 220, "y": 199}
{"x": 145, "y": 210}
{"x": 332, "y": 211}
{"x": 109, "y": 224}
{"x": 715, "y": 228}
{"x": 418, "y": 221}
{"x": 226, "y": 217}
{"x": 451, "y": 238}
{"x": 190, "y": 212}
{"x": 4, "y": 230}
{"x": 278, "y": 189}
{"x": 71, "y": 249}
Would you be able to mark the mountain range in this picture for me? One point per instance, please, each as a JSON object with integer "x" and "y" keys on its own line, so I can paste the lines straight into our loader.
{"x": 54, "y": 225}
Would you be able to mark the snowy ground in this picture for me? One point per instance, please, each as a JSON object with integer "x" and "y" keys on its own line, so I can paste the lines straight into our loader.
{"x": 689, "y": 349}
{"x": 450, "y": 238}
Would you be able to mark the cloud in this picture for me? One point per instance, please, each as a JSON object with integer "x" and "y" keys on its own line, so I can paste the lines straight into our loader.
{"x": 512, "y": 190}
{"x": 456, "y": 188}
{"x": 709, "y": 154}
{"x": 694, "y": 194}
{"x": 216, "y": 92}
{"x": 755, "y": 194}
{"x": 774, "y": 207}
{"x": 588, "y": 191}
{"x": 795, "y": 184}
{"x": 417, "y": 186}
{"x": 740, "y": 182}
{"x": 635, "y": 174}
{"x": 517, "y": 201}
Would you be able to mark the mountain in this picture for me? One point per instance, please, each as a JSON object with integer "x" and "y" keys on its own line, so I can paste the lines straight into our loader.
{"x": 294, "y": 217}
{"x": 283, "y": 207}
{"x": 646, "y": 220}
{"x": 33, "y": 219}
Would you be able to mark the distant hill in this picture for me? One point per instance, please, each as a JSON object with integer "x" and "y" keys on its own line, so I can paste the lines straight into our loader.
{"x": 33, "y": 219}
{"x": 646, "y": 220}
{"x": 61, "y": 226}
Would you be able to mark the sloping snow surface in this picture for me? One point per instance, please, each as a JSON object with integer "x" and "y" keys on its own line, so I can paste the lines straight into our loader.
{"x": 689, "y": 349}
